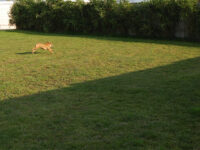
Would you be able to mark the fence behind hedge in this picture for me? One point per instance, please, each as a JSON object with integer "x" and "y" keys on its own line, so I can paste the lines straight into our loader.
{"x": 155, "y": 18}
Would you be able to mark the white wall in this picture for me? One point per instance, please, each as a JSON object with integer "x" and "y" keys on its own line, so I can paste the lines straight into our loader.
{"x": 4, "y": 14}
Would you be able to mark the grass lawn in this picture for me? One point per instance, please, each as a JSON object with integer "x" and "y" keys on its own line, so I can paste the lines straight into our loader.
{"x": 98, "y": 93}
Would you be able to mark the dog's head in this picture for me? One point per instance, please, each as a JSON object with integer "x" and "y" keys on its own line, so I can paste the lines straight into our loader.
{"x": 49, "y": 43}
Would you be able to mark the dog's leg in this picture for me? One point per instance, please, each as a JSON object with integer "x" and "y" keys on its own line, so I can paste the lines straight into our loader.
{"x": 34, "y": 50}
{"x": 50, "y": 50}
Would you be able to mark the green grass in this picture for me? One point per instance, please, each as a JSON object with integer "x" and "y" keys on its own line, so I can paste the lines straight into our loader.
{"x": 98, "y": 93}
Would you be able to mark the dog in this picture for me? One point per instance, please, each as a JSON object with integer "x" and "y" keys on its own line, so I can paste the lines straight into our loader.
{"x": 45, "y": 46}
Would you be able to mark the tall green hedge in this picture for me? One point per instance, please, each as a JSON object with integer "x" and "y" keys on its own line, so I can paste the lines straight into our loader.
{"x": 154, "y": 18}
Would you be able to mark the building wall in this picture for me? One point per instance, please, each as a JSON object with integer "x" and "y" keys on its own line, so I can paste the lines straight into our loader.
{"x": 4, "y": 14}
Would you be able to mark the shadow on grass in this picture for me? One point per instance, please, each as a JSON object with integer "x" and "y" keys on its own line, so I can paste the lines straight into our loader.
{"x": 177, "y": 42}
{"x": 137, "y": 110}
{"x": 27, "y": 53}
{"x": 24, "y": 53}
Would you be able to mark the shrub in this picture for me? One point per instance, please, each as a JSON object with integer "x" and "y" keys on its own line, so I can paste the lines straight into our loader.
{"x": 154, "y": 18}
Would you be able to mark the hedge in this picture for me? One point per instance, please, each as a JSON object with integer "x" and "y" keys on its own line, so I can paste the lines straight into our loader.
{"x": 154, "y": 18}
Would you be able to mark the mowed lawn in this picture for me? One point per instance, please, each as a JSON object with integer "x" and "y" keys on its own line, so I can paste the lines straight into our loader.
{"x": 98, "y": 93}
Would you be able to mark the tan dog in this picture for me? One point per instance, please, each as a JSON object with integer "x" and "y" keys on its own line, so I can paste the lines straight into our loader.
{"x": 45, "y": 46}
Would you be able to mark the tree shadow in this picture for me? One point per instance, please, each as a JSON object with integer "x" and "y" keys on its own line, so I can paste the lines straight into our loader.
{"x": 152, "y": 108}
{"x": 177, "y": 42}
